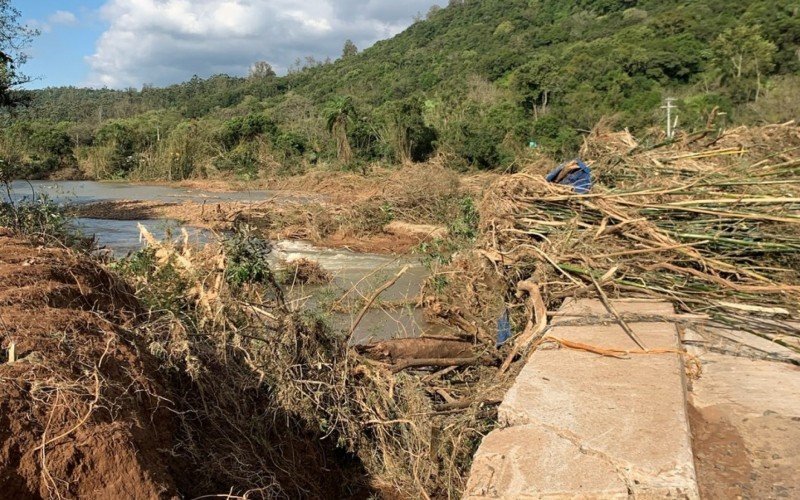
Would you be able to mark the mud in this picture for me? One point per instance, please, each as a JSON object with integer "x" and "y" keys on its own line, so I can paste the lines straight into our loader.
{"x": 86, "y": 411}
{"x": 81, "y": 411}
{"x": 720, "y": 455}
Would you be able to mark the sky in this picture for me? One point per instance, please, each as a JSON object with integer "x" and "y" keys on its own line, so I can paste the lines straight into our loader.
{"x": 130, "y": 43}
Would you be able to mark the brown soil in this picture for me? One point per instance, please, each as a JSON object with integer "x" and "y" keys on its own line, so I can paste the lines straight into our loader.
{"x": 720, "y": 455}
{"x": 217, "y": 216}
{"x": 381, "y": 243}
{"x": 81, "y": 411}
{"x": 87, "y": 411}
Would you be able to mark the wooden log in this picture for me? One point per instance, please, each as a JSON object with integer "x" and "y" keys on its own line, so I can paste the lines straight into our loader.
{"x": 390, "y": 351}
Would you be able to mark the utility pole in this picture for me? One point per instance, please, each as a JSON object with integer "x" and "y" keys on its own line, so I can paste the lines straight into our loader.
{"x": 669, "y": 106}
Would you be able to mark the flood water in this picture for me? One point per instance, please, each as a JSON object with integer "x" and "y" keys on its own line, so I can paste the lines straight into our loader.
{"x": 122, "y": 236}
{"x": 78, "y": 192}
{"x": 355, "y": 275}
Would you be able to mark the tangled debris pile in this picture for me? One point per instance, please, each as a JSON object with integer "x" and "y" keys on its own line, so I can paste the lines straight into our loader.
{"x": 709, "y": 223}
{"x": 305, "y": 272}
{"x": 414, "y": 433}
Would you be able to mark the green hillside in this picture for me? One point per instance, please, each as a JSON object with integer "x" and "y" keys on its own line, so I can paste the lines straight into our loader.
{"x": 475, "y": 82}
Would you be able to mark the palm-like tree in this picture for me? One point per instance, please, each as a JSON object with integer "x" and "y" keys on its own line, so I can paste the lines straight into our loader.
{"x": 339, "y": 114}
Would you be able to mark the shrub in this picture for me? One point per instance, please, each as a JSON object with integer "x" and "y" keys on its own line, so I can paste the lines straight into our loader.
{"x": 40, "y": 219}
{"x": 246, "y": 128}
{"x": 246, "y": 261}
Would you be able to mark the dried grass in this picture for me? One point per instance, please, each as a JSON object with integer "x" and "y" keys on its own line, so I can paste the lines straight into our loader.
{"x": 709, "y": 222}
{"x": 236, "y": 343}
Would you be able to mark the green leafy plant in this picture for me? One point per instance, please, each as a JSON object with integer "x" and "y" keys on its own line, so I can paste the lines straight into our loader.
{"x": 247, "y": 258}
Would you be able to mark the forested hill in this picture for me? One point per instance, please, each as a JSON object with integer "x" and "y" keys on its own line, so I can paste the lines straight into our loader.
{"x": 476, "y": 81}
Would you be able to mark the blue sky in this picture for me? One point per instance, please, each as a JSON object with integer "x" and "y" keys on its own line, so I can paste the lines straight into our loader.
{"x": 128, "y": 43}
{"x": 57, "y": 55}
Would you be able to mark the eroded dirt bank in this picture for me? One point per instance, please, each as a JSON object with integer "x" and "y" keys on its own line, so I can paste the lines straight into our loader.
{"x": 88, "y": 411}
{"x": 81, "y": 410}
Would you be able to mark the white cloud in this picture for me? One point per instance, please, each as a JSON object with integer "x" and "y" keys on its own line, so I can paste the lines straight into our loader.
{"x": 64, "y": 17}
{"x": 59, "y": 17}
{"x": 167, "y": 41}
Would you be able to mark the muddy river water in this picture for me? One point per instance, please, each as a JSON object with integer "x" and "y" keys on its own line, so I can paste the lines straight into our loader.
{"x": 355, "y": 274}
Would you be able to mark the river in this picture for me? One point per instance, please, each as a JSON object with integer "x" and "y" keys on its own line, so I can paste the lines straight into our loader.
{"x": 354, "y": 274}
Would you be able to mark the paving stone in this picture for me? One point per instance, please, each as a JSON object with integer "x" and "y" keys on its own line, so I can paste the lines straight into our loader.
{"x": 595, "y": 308}
{"x": 595, "y": 413}
{"x": 520, "y": 461}
{"x": 746, "y": 427}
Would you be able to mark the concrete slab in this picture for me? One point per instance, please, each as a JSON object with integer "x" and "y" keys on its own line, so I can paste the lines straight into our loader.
{"x": 745, "y": 421}
{"x": 595, "y": 308}
{"x": 744, "y": 344}
{"x": 519, "y": 462}
{"x": 628, "y": 413}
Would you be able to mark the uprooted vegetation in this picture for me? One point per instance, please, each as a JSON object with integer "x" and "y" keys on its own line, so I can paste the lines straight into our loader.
{"x": 709, "y": 222}
{"x": 391, "y": 211}
{"x": 221, "y": 379}
{"x": 257, "y": 395}
{"x": 360, "y": 398}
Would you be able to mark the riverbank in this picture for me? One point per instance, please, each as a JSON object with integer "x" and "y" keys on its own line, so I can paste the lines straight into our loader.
{"x": 237, "y": 375}
{"x": 708, "y": 225}
{"x": 90, "y": 407}
{"x": 389, "y": 213}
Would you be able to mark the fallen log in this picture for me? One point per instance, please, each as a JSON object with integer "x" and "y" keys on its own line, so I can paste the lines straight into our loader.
{"x": 405, "y": 364}
{"x": 466, "y": 403}
{"x": 391, "y": 351}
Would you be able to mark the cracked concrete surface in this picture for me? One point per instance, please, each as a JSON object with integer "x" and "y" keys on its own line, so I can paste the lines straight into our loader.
{"x": 580, "y": 425}
{"x": 745, "y": 416}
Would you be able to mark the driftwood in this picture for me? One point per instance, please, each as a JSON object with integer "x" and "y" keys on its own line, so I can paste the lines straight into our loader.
{"x": 374, "y": 296}
{"x": 465, "y": 322}
{"x": 537, "y": 320}
{"x": 466, "y": 403}
{"x": 392, "y": 351}
{"x": 610, "y": 308}
{"x": 405, "y": 364}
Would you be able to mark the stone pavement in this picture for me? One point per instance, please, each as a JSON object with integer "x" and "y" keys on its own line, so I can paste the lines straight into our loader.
{"x": 745, "y": 415}
{"x": 580, "y": 425}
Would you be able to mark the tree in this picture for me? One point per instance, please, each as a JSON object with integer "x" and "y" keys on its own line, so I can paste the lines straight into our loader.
{"x": 14, "y": 38}
{"x": 349, "y": 49}
{"x": 339, "y": 114}
{"x": 741, "y": 54}
{"x": 410, "y": 137}
{"x": 261, "y": 70}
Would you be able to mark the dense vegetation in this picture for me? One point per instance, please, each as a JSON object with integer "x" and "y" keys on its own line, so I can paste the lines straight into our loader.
{"x": 476, "y": 82}
{"x": 14, "y": 38}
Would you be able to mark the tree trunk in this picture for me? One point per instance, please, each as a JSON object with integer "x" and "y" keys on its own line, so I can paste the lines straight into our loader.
{"x": 425, "y": 348}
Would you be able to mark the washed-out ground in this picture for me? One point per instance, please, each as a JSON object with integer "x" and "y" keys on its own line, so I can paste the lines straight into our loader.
{"x": 733, "y": 425}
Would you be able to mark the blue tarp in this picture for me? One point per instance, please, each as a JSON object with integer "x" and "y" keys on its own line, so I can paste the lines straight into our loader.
{"x": 574, "y": 173}
{"x": 503, "y": 328}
